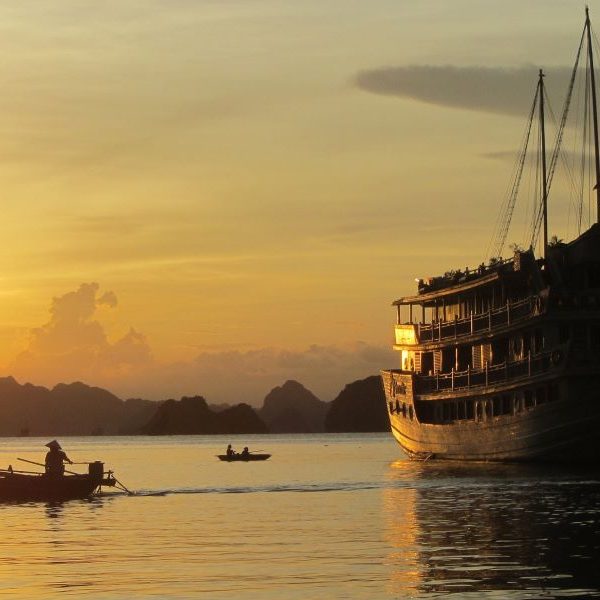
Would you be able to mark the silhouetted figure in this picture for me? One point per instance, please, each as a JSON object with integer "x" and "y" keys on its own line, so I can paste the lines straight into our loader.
{"x": 230, "y": 451}
{"x": 55, "y": 459}
{"x": 245, "y": 451}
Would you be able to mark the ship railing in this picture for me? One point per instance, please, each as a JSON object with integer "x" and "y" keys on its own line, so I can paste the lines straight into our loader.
{"x": 489, "y": 374}
{"x": 510, "y": 313}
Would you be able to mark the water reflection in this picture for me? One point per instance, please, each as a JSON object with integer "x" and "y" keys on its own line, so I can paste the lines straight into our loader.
{"x": 54, "y": 510}
{"x": 490, "y": 528}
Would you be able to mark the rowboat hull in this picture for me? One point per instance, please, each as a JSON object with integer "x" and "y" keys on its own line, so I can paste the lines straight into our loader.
{"x": 241, "y": 458}
{"x": 17, "y": 487}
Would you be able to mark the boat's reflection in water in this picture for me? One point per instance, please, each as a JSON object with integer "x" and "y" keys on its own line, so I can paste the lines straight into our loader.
{"x": 516, "y": 529}
{"x": 54, "y": 510}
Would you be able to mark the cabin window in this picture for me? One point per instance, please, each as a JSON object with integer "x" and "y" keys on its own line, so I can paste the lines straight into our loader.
{"x": 527, "y": 400}
{"x": 499, "y": 351}
{"x": 404, "y": 410}
{"x": 564, "y": 333}
{"x": 496, "y": 405}
{"x": 506, "y": 404}
{"x": 427, "y": 363}
{"x": 426, "y": 411}
{"x": 391, "y": 407}
{"x": 410, "y": 412}
{"x": 463, "y": 358}
{"x": 553, "y": 392}
{"x": 448, "y": 359}
{"x": 397, "y": 406}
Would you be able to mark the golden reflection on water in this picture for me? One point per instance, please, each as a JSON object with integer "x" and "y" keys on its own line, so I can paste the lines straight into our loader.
{"x": 487, "y": 528}
{"x": 327, "y": 517}
{"x": 401, "y": 530}
{"x": 306, "y": 523}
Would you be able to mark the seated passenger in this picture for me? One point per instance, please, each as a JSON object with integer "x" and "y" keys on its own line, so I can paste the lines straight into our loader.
{"x": 245, "y": 451}
{"x": 230, "y": 451}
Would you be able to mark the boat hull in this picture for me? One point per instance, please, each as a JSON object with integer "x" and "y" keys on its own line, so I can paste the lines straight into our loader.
{"x": 17, "y": 487}
{"x": 565, "y": 430}
{"x": 240, "y": 458}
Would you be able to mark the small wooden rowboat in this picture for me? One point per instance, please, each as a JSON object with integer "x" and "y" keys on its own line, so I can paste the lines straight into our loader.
{"x": 243, "y": 457}
{"x": 24, "y": 486}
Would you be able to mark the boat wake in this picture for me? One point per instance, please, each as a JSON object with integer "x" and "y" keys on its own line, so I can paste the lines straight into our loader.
{"x": 303, "y": 488}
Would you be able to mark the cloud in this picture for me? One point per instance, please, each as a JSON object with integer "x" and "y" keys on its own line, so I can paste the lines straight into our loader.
{"x": 496, "y": 90}
{"x": 74, "y": 346}
{"x": 73, "y": 343}
{"x": 247, "y": 376}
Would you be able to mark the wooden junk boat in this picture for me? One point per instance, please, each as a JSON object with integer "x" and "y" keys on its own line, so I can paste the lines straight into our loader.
{"x": 20, "y": 486}
{"x": 502, "y": 363}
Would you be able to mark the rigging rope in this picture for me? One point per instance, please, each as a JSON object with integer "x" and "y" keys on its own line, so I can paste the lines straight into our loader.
{"x": 559, "y": 136}
{"x": 503, "y": 223}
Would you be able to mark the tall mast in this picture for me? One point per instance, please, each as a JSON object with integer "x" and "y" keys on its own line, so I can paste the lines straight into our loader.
{"x": 594, "y": 110}
{"x": 543, "y": 152}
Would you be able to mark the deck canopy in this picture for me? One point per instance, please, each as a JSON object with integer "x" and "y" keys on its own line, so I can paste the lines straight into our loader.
{"x": 430, "y": 298}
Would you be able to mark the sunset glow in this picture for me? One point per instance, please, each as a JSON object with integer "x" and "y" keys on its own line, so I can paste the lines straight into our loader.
{"x": 213, "y": 197}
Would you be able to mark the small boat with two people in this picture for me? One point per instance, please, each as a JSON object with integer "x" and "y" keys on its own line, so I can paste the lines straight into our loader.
{"x": 244, "y": 456}
{"x": 54, "y": 484}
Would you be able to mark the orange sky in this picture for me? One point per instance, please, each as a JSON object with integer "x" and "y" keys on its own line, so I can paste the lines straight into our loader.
{"x": 223, "y": 195}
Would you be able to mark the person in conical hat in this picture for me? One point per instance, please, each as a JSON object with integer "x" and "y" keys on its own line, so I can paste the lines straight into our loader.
{"x": 55, "y": 459}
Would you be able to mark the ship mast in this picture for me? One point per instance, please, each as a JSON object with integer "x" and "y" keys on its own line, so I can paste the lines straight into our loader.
{"x": 543, "y": 152}
{"x": 594, "y": 110}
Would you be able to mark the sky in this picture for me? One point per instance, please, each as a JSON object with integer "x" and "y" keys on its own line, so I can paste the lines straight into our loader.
{"x": 213, "y": 196}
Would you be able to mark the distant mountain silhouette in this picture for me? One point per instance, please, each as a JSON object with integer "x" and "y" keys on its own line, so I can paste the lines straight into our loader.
{"x": 80, "y": 409}
{"x": 360, "y": 407}
{"x": 67, "y": 409}
{"x": 219, "y": 407}
{"x": 137, "y": 414}
{"x": 192, "y": 415}
{"x": 292, "y": 408}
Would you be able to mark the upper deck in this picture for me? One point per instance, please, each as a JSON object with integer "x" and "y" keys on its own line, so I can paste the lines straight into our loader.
{"x": 457, "y": 296}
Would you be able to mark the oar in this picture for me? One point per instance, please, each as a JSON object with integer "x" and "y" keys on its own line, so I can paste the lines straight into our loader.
{"x": 42, "y": 465}
{"x": 10, "y": 471}
{"x": 122, "y": 487}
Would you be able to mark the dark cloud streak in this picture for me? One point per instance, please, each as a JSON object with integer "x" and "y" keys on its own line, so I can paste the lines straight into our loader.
{"x": 496, "y": 90}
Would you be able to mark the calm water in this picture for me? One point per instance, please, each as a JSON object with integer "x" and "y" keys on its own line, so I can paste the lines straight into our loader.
{"x": 325, "y": 517}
